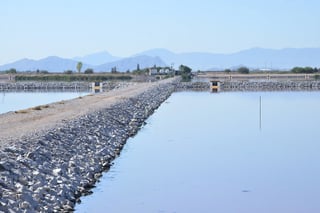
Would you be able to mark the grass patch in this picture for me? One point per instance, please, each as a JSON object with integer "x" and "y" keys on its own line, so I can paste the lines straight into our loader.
{"x": 37, "y": 108}
{"x": 41, "y": 107}
{"x": 24, "y": 111}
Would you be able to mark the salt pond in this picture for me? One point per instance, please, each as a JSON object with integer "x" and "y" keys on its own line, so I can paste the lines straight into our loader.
{"x": 11, "y": 101}
{"x": 219, "y": 152}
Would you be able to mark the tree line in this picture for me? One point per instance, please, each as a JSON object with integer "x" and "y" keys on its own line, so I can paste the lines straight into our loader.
{"x": 305, "y": 70}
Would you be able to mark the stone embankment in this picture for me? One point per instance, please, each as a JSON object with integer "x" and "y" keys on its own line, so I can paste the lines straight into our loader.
{"x": 269, "y": 85}
{"x": 49, "y": 172}
{"x": 194, "y": 86}
{"x": 246, "y": 85}
{"x": 60, "y": 86}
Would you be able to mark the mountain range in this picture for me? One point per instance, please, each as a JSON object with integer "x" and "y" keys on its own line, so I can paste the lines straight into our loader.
{"x": 255, "y": 58}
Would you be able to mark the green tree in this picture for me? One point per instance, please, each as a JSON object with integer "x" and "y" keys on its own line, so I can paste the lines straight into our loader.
{"x": 303, "y": 70}
{"x": 79, "y": 66}
{"x": 184, "y": 69}
{"x": 89, "y": 71}
{"x": 185, "y": 72}
{"x": 243, "y": 70}
{"x": 11, "y": 71}
{"x": 114, "y": 70}
{"x": 227, "y": 70}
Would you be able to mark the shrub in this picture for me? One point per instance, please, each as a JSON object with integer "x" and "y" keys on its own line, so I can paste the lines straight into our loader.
{"x": 304, "y": 70}
{"x": 243, "y": 70}
{"x": 89, "y": 71}
{"x": 68, "y": 72}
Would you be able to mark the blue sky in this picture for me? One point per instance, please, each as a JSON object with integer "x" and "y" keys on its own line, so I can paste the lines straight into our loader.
{"x": 68, "y": 28}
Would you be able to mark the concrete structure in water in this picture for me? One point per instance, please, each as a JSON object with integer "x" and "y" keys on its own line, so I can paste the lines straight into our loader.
{"x": 215, "y": 86}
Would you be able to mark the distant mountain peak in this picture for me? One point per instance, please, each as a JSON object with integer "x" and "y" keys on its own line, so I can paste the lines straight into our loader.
{"x": 98, "y": 58}
{"x": 256, "y": 57}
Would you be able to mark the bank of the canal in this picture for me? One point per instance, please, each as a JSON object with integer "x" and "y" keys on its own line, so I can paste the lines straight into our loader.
{"x": 49, "y": 170}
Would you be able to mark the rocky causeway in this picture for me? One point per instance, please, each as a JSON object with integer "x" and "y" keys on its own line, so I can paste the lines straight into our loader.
{"x": 48, "y": 162}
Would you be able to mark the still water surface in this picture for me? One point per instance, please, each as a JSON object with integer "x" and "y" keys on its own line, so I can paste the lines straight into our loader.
{"x": 203, "y": 152}
{"x": 21, "y": 100}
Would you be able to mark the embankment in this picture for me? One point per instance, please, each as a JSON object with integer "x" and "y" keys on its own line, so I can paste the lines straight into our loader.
{"x": 272, "y": 85}
{"x": 48, "y": 172}
{"x": 59, "y": 86}
{"x": 194, "y": 86}
{"x": 252, "y": 85}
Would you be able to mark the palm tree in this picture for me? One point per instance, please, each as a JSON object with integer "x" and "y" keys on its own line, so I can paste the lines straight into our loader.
{"x": 79, "y": 66}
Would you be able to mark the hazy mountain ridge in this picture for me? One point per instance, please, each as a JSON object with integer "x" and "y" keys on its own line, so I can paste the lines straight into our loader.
{"x": 56, "y": 64}
{"x": 254, "y": 58}
{"x": 97, "y": 59}
{"x": 259, "y": 58}
{"x": 131, "y": 63}
{"x": 51, "y": 64}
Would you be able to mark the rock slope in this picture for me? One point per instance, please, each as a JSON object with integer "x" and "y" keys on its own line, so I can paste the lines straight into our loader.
{"x": 49, "y": 173}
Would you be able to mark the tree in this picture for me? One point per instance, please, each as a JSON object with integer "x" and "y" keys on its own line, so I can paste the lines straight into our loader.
{"x": 89, "y": 71}
{"x": 185, "y": 72}
{"x": 185, "y": 69}
{"x": 227, "y": 70}
{"x": 11, "y": 71}
{"x": 243, "y": 70}
{"x": 303, "y": 70}
{"x": 79, "y": 66}
{"x": 138, "y": 67}
{"x": 114, "y": 70}
{"x": 68, "y": 72}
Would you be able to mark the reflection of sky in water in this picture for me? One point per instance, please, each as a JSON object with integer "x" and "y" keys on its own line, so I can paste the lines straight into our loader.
{"x": 203, "y": 152}
{"x": 17, "y": 101}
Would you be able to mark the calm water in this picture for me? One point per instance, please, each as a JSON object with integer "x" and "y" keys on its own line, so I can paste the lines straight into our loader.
{"x": 21, "y": 100}
{"x": 203, "y": 152}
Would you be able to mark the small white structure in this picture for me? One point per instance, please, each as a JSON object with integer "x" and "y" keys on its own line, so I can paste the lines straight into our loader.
{"x": 97, "y": 87}
{"x": 162, "y": 71}
{"x": 153, "y": 71}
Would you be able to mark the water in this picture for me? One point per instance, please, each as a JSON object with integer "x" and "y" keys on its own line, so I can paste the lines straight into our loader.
{"x": 21, "y": 100}
{"x": 203, "y": 152}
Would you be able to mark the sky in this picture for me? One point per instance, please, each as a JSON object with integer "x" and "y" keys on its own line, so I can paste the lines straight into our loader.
{"x": 67, "y": 28}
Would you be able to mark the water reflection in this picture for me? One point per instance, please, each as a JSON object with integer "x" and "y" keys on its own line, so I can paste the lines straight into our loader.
{"x": 260, "y": 113}
{"x": 3, "y": 96}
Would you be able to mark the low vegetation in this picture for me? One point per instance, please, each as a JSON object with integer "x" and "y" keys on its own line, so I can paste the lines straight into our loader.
{"x": 72, "y": 77}
{"x": 243, "y": 70}
{"x": 304, "y": 70}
